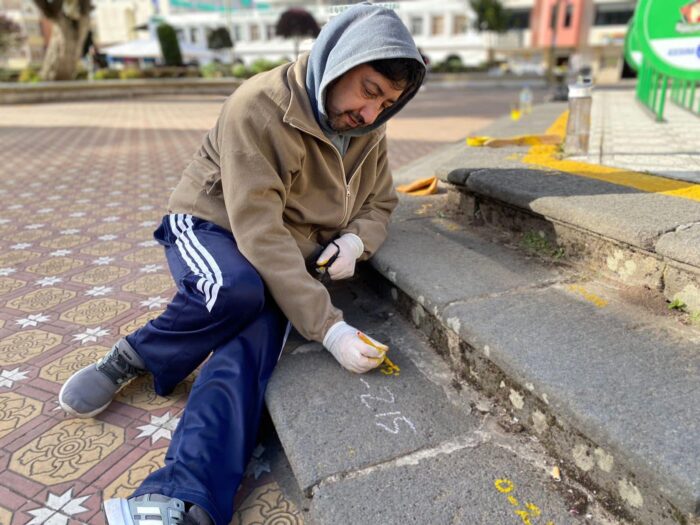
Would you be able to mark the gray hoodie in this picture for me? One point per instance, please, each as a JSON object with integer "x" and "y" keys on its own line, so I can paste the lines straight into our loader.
{"x": 360, "y": 34}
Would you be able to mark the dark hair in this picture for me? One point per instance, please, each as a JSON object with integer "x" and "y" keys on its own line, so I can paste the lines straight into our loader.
{"x": 406, "y": 73}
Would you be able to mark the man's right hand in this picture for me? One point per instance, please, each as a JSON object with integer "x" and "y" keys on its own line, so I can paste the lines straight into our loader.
{"x": 344, "y": 342}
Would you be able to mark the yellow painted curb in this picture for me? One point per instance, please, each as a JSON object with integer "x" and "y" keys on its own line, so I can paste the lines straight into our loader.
{"x": 546, "y": 156}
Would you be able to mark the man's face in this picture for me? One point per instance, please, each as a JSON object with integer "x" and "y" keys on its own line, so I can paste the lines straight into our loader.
{"x": 358, "y": 97}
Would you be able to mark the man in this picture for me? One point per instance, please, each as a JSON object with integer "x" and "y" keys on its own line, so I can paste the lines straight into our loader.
{"x": 296, "y": 161}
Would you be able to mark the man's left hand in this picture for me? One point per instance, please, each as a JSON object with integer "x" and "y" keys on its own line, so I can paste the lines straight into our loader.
{"x": 349, "y": 247}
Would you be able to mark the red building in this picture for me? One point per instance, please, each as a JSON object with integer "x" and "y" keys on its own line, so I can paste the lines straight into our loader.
{"x": 558, "y": 23}
{"x": 569, "y": 33}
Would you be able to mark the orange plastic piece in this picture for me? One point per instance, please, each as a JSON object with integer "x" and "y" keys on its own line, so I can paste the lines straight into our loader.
{"x": 420, "y": 187}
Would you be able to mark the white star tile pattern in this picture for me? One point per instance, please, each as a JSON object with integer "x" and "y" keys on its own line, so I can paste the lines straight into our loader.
{"x": 159, "y": 427}
{"x": 58, "y": 509}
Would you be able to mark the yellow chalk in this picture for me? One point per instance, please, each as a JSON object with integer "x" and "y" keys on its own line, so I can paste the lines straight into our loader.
{"x": 388, "y": 368}
{"x": 477, "y": 141}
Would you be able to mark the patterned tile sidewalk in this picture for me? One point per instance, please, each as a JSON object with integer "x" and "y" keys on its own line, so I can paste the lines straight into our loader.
{"x": 81, "y": 189}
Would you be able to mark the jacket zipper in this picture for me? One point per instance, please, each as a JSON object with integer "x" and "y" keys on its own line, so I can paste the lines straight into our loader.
{"x": 346, "y": 181}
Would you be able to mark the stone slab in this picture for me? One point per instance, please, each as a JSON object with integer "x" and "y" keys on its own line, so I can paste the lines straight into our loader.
{"x": 631, "y": 390}
{"x": 331, "y": 421}
{"x": 457, "y": 488}
{"x": 432, "y": 260}
{"x": 682, "y": 245}
{"x": 617, "y": 212}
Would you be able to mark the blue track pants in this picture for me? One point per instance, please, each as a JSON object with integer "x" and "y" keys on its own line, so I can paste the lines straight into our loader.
{"x": 222, "y": 310}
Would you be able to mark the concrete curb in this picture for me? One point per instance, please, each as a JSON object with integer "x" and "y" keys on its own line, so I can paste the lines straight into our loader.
{"x": 16, "y": 93}
{"x": 11, "y": 93}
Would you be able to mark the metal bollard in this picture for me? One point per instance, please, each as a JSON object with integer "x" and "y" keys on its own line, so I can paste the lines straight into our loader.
{"x": 578, "y": 127}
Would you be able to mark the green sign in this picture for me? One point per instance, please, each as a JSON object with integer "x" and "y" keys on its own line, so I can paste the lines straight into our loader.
{"x": 633, "y": 52}
{"x": 668, "y": 32}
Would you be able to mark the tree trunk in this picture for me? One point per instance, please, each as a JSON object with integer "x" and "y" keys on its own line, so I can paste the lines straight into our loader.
{"x": 65, "y": 47}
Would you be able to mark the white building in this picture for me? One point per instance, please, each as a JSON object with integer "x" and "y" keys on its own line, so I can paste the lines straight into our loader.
{"x": 440, "y": 29}
{"x": 116, "y": 21}
{"x": 31, "y": 51}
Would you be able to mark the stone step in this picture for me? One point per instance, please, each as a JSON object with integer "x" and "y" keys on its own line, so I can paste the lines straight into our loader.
{"x": 638, "y": 238}
{"x": 407, "y": 446}
{"x": 609, "y": 388}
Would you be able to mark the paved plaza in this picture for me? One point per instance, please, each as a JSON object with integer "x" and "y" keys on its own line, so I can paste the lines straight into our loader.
{"x": 83, "y": 185}
{"x": 625, "y": 135}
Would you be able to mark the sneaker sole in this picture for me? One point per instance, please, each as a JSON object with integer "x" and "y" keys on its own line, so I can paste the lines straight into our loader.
{"x": 117, "y": 512}
{"x": 68, "y": 409}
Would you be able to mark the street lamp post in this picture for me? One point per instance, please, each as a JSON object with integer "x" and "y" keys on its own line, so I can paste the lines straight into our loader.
{"x": 553, "y": 42}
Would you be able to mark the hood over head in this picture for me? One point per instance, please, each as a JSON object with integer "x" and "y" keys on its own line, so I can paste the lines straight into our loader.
{"x": 360, "y": 34}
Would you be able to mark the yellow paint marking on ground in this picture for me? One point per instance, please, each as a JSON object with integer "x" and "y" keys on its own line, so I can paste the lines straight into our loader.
{"x": 588, "y": 296}
{"x": 546, "y": 156}
{"x": 506, "y": 486}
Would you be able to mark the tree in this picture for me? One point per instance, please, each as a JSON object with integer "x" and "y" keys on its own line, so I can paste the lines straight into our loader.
{"x": 490, "y": 15}
{"x": 219, "y": 39}
{"x": 70, "y": 22}
{"x": 10, "y": 34}
{"x": 297, "y": 23}
{"x": 169, "y": 46}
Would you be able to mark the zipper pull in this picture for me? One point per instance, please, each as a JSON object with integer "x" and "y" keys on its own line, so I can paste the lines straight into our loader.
{"x": 348, "y": 192}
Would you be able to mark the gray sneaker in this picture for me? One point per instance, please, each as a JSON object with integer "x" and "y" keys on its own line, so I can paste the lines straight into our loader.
{"x": 90, "y": 390}
{"x": 151, "y": 509}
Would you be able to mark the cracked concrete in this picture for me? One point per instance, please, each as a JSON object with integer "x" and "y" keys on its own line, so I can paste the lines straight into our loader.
{"x": 474, "y": 440}
{"x": 453, "y": 475}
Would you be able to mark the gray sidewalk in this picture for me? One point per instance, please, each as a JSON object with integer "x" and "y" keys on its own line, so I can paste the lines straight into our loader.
{"x": 624, "y": 135}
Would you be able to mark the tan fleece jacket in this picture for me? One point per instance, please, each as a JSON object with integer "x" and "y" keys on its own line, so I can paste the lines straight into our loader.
{"x": 267, "y": 173}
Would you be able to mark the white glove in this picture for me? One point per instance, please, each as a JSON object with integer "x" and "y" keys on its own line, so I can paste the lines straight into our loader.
{"x": 343, "y": 341}
{"x": 349, "y": 248}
